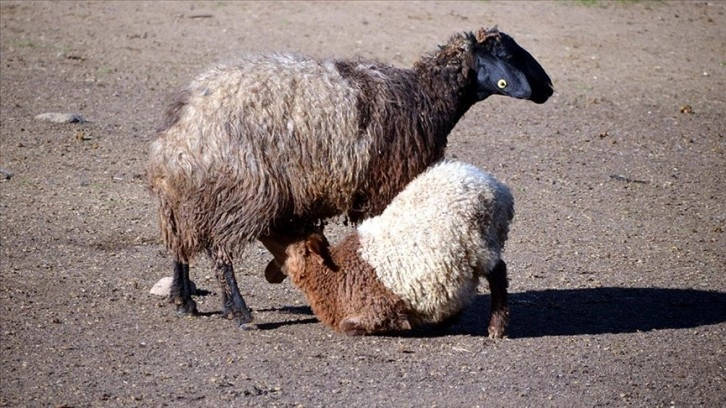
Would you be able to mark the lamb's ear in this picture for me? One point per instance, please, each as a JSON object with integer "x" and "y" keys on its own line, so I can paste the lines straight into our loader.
{"x": 317, "y": 248}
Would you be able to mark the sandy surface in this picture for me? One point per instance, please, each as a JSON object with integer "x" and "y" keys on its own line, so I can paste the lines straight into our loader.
{"x": 616, "y": 256}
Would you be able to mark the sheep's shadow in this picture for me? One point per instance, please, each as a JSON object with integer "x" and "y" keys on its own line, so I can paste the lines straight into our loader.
{"x": 567, "y": 312}
{"x": 570, "y": 312}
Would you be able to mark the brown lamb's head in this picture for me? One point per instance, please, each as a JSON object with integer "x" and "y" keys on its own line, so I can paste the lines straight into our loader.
{"x": 295, "y": 249}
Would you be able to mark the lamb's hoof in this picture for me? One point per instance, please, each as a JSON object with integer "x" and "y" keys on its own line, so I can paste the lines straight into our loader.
{"x": 352, "y": 326}
{"x": 497, "y": 333}
{"x": 498, "y": 323}
{"x": 187, "y": 309}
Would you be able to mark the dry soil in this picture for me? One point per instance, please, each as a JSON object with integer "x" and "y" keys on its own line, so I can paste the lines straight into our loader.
{"x": 617, "y": 253}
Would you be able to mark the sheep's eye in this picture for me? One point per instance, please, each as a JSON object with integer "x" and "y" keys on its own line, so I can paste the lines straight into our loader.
{"x": 502, "y": 83}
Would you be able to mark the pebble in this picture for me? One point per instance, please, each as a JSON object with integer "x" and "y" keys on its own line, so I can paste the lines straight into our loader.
{"x": 57, "y": 117}
{"x": 163, "y": 286}
{"x": 6, "y": 174}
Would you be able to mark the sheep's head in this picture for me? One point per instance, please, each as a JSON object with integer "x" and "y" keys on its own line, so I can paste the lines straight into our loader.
{"x": 504, "y": 68}
{"x": 293, "y": 250}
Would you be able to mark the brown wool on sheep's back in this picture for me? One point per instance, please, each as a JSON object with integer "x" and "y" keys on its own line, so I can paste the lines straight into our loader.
{"x": 409, "y": 132}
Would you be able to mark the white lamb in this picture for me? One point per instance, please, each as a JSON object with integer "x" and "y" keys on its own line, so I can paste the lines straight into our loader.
{"x": 419, "y": 262}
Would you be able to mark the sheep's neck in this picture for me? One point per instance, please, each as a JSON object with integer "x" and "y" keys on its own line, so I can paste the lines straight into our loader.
{"x": 411, "y": 131}
{"x": 449, "y": 88}
{"x": 447, "y": 76}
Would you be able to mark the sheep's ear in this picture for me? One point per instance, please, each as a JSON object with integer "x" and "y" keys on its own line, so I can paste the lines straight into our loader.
{"x": 483, "y": 34}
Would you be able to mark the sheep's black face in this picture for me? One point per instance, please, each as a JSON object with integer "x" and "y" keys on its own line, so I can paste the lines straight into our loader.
{"x": 505, "y": 68}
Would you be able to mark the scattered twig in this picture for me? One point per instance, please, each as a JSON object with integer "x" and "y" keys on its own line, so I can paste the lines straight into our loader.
{"x": 201, "y": 16}
{"x": 627, "y": 179}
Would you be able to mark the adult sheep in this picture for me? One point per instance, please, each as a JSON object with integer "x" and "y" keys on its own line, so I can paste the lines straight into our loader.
{"x": 268, "y": 142}
{"x": 419, "y": 262}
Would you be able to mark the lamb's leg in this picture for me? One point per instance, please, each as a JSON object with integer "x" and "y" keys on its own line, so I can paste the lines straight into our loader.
{"x": 353, "y": 326}
{"x": 374, "y": 323}
{"x": 499, "y": 314}
{"x": 181, "y": 290}
{"x": 232, "y": 301}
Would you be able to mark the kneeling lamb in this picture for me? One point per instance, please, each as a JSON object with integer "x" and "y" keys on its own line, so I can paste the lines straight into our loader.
{"x": 419, "y": 262}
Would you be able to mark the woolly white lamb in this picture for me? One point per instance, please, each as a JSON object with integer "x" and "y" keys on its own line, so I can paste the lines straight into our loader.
{"x": 419, "y": 262}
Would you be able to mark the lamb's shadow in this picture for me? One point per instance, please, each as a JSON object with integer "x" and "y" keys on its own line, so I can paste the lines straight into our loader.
{"x": 298, "y": 310}
{"x": 294, "y": 310}
{"x": 275, "y": 325}
{"x": 567, "y": 312}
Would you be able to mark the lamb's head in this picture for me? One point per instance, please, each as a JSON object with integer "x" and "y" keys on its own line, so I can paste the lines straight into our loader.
{"x": 295, "y": 252}
{"x": 504, "y": 68}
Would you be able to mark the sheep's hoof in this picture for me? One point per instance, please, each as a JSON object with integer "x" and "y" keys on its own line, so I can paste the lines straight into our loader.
{"x": 403, "y": 323}
{"x": 244, "y": 320}
{"x": 187, "y": 309}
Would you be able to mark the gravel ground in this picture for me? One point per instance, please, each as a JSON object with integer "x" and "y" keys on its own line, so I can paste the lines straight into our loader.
{"x": 616, "y": 256}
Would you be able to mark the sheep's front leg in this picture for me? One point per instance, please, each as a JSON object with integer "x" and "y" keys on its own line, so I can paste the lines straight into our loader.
{"x": 499, "y": 314}
{"x": 232, "y": 301}
{"x": 181, "y": 290}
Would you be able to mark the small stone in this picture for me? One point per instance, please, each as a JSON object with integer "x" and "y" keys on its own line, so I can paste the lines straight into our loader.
{"x": 57, "y": 117}
{"x": 6, "y": 174}
{"x": 163, "y": 287}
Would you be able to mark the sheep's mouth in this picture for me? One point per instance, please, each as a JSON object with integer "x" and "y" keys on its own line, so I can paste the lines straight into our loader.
{"x": 542, "y": 94}
{"x": 274, "y": 272}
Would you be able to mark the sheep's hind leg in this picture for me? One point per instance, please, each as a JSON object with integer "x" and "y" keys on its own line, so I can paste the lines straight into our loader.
{"x": 232, "y": 301}
{"x": 180, "y": 292}
{"x": 499, "y": 314}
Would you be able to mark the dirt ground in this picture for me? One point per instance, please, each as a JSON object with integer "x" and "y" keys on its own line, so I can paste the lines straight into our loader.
{"x": 617, "y": 253}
